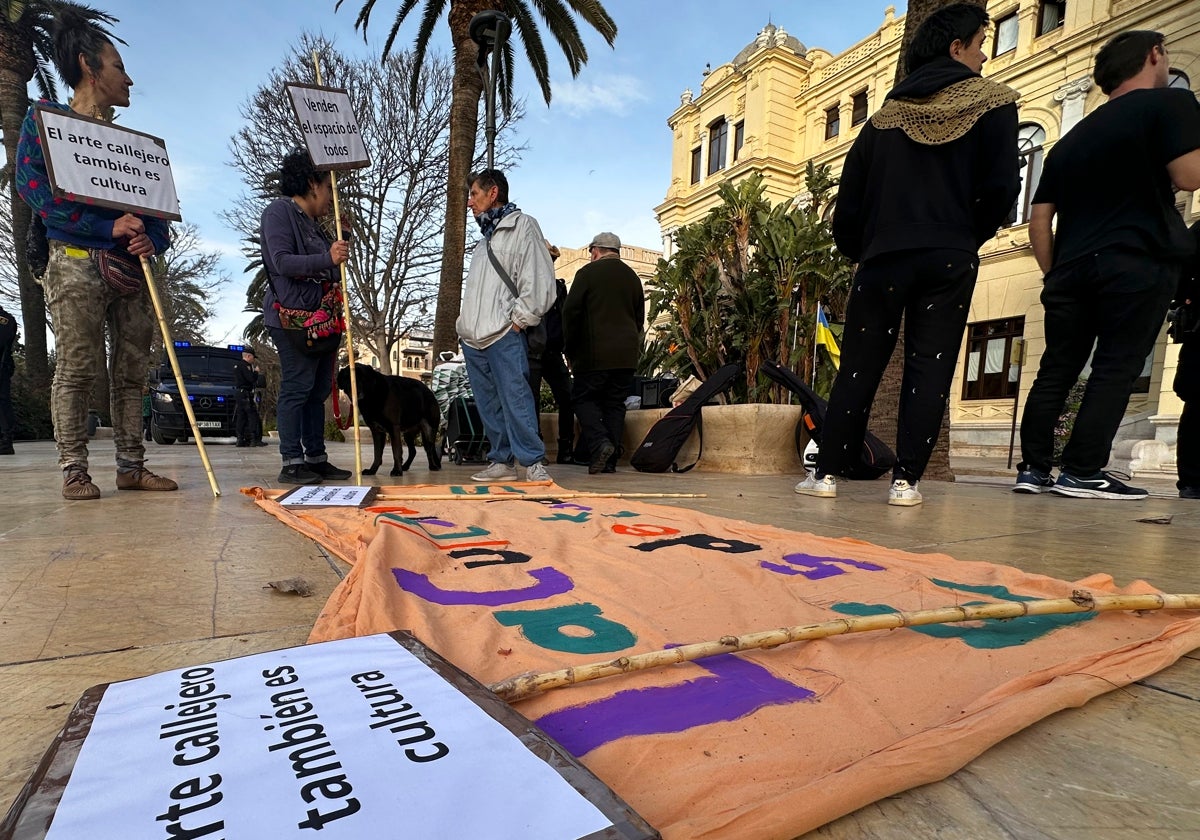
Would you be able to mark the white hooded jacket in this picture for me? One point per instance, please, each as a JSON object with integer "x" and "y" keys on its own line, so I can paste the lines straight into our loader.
{"x": 488, "y": 308}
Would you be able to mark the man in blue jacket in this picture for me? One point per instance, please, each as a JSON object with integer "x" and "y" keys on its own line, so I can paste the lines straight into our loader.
{"x": 929, "y": 180}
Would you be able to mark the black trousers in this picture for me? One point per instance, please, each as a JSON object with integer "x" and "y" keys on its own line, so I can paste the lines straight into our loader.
{"x": 1187, "y": 387}
{"x": 1115, "y": 301}
{"x": 245, "y": 420}
{"x": 599, "y": 399}
{"x": 931, "y": 289}
{"x": 551, "y": 367}
{"x": 8, "y": 420}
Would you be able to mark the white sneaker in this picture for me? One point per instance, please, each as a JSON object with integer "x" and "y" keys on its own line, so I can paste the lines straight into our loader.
{"x": 904, "y": 494}
{"x": 537, "y": 472}
{"x": 496, "y": 472}
{"x": 825, "y": 488}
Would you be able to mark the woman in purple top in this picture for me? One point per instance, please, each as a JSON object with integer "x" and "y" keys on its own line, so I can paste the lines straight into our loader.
{"x": 299, "y": 260}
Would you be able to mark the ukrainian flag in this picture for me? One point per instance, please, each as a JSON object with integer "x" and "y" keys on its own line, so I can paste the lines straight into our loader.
{"x": 825, "y": 338}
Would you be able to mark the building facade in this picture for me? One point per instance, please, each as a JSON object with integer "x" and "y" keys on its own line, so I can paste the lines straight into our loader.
{"x": 779, "y": 104}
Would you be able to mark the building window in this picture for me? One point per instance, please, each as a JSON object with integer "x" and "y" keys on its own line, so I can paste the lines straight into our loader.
{"x": 696, "y": 165}
{"x": 1006, "y": 34}
{"x": 991, "y": 373}
{"x": 739, "y": 139}
{"x": 1179, "y": 79}
{"x": 1030, "y": 139}
{"x": 1051, "y": 14}
{"x": 718, "y": 134}
{"x": 860, "y": 108}
{"x": 833, "y": 122}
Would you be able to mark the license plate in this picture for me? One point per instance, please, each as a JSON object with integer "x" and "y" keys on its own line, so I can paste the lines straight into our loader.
{"x": 208, "y": 424}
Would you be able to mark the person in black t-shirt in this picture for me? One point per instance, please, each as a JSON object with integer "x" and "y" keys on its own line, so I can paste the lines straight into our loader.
{"x": 1113, "y": 265}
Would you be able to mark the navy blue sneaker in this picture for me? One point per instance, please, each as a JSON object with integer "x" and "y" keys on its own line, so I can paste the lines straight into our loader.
{"x": 1102, "y": 485}
{"x": 1033, "y": 480}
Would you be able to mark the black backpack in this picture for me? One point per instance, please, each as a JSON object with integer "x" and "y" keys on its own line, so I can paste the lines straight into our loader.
{"x": 876, "y": 458}
{"x": 662, "y": 443}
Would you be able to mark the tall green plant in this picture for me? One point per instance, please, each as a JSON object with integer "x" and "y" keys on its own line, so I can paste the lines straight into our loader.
{"x": 743, "y": 285}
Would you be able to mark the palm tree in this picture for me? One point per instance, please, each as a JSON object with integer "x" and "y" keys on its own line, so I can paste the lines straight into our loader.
{"x": 464, "y": 103}
{"x": 26, "y": 53}
{"x": 887, "y": 399}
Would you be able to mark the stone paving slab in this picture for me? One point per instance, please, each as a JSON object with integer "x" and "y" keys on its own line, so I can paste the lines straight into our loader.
{"x": 136, "y": 583}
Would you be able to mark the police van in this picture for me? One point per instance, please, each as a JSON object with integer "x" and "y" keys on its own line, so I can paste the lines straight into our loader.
{"x": 208, "y": 377}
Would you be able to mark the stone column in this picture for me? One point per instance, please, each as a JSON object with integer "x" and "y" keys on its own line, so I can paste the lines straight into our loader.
{"x": 1072, "y": 95}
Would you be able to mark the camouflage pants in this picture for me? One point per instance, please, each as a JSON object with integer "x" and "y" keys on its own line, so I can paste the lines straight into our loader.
{"x": 81, "y": 305}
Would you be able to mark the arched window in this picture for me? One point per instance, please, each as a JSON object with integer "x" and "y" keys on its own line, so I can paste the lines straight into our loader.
{"x": 1179, "y": 79}
{"x": 1030, "y": 139}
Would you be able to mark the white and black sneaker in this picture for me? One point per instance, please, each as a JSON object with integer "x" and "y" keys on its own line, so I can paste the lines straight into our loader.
{"x": 1033, "y": 480}
{"x": 1102, "y": 485}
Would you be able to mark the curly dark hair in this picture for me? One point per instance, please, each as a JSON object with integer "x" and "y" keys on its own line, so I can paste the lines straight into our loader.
{"x": 75, "y": 35}
{"x": 297, "y": 175}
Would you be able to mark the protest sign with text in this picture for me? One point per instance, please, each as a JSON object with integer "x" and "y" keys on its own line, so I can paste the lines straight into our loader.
{"x": 367, "y": 737}
{"x": 95, "y": 162}
{"x": 331, "y": 131}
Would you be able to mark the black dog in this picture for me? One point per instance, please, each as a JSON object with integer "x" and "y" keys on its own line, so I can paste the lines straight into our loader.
{"x": 395, "y": 407}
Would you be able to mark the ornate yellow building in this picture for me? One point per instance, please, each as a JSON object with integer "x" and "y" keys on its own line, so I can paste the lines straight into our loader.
{"x": 779, "y": 104}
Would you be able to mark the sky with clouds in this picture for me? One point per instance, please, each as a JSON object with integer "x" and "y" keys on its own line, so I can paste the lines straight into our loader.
{"x": 598, "y": 158}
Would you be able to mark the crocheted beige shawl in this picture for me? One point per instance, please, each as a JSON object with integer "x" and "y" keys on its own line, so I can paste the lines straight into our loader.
{"x": 948, "y": 114}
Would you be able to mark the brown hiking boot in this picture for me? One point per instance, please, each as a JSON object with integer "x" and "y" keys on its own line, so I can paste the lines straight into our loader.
{"x": 142, "y": 479}
{"x": 77, "y": 485}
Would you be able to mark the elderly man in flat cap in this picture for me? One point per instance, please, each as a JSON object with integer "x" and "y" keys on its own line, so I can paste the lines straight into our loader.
{"x": 603, "y": 328}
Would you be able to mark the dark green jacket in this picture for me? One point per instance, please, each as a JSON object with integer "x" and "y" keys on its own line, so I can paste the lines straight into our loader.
{"x": 603, "y": 317}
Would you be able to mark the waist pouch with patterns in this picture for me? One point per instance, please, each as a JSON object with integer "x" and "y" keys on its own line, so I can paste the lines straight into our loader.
{"x": 121, "y": 270}
{"x": 318, "y": 331}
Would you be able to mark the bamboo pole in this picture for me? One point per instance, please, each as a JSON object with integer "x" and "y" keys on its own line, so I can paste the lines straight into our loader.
{"x": 337, "y": 219}
{"x": 169, "y": 344}
{"x": 522, "y": 686}
{"x": 491, "y": 497}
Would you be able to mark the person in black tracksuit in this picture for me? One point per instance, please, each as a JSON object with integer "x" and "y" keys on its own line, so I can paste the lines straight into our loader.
{"x": 246, "y": 377}
{"x": 929, "y": 179}
{"x": 1186, "y": 331}
{"x": 549, "y": 365}
{"x": 8, "y": 343}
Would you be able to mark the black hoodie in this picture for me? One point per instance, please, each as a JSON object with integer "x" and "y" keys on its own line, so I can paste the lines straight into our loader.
{"x": 899, "y": 194}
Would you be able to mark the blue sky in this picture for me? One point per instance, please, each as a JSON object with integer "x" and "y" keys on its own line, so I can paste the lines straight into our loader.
{"x": 597, "y": 159}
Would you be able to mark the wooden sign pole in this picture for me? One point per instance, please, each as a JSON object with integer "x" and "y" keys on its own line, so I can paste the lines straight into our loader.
{"x": 169, "y": 344}
{"x": 337, "y": 217}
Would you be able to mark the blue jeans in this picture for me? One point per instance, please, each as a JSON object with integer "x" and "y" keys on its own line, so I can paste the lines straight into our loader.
{"x": 305, "y": 383}
{"x": 500, "y": 381}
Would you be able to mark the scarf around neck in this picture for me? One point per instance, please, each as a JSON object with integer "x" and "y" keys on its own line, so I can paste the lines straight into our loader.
{"x": 488, "y": 219}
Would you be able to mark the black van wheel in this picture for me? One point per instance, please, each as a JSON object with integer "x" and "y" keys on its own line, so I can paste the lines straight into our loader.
{"x": 156, "y": 434}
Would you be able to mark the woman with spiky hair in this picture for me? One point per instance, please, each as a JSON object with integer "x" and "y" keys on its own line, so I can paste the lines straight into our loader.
{"x": 80, "y": 300}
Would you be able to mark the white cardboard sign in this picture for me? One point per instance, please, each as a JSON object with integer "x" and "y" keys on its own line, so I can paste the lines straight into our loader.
{"x": 329, "y": 495}
{"x": 331, "y": 132}
{"x": 340, "y": 741}
{"x": 95, "y": 162}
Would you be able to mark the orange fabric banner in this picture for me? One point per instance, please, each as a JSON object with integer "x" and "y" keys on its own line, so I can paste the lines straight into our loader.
{"x": 758, "y": 744}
